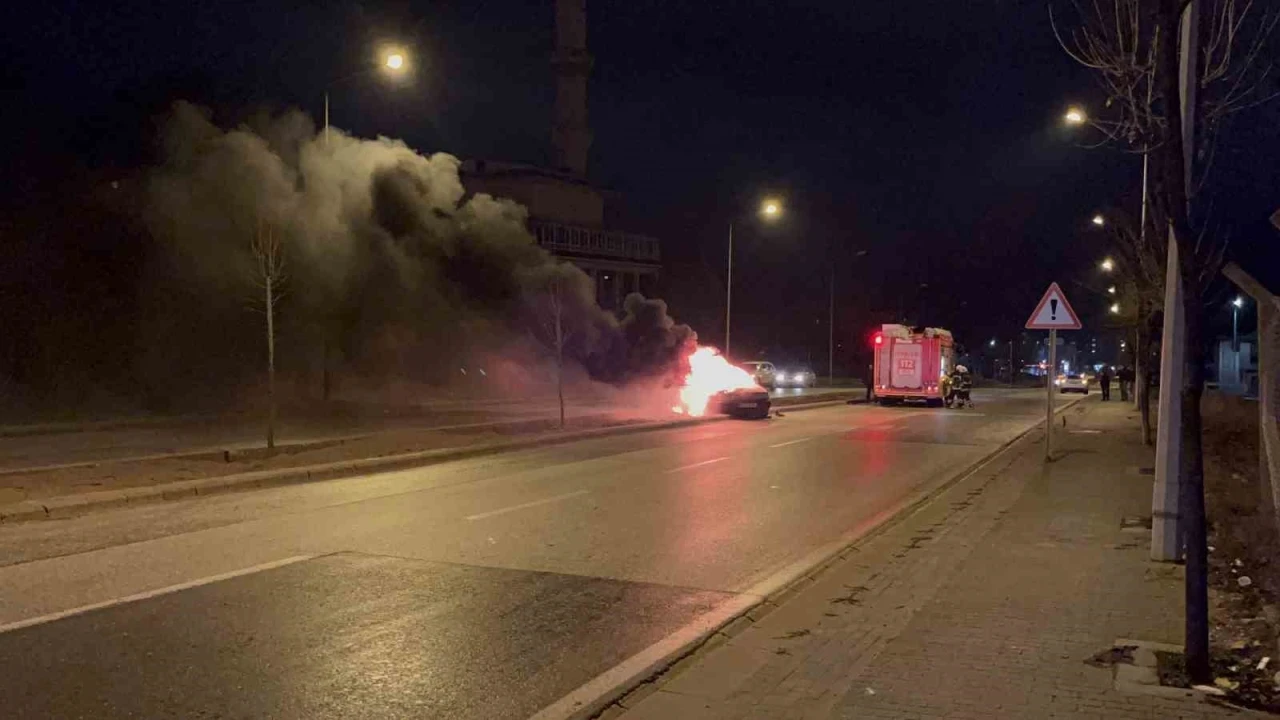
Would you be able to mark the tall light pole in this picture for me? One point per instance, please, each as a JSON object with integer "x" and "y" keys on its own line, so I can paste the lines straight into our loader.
{"x": 770, "y": 209}
{"x": 393, "y": 61}
{"x": 1235, "y": 323}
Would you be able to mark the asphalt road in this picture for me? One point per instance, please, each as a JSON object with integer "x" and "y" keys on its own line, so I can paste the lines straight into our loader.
{"x": 486, "y": 588}
{"x": 24, "y": 452}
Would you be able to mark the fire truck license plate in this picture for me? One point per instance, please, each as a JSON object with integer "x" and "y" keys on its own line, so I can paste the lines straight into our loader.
{"x": 908, "y": 364}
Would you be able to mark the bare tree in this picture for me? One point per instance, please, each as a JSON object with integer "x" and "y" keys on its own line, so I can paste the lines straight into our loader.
{"x": 1133, "y": 47}
{"x": 1139, "y": 273}
{"x": 269, "y": 276}
{"x": 553, "y": 331}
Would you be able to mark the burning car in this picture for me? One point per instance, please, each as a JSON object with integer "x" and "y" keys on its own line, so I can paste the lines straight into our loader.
{"x": 715, "y": 384}
{"x": 744, "y": 402}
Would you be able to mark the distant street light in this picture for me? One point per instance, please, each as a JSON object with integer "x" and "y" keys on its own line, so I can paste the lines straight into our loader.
{"x": 1075, "y": 116}
{"x": 770, "y": 209}
{"x": 1108, "y": 265}
{"x": 393, "y": 61}
{"x": 1099, "y": 220}
{"x": 1115, "y": 309}
{"x": 1235, "y": 322}
{"x": 1111, "y": 290}
{"x": 992, "y": 343}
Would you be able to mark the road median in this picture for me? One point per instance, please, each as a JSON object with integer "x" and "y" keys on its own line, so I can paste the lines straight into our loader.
{"x": 169, "y": 478}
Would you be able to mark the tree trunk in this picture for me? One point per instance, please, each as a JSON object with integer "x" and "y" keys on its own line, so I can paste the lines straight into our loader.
{"x": 324, "y": 368}
{"x": 560, "y": 364}
{"x": 271, "y": 366}
{"x": 1142, "y": 374}
{"x": 1193, "y": 506}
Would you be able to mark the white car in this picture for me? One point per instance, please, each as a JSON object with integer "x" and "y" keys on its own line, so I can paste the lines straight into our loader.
{"x": 1072, "y": 383}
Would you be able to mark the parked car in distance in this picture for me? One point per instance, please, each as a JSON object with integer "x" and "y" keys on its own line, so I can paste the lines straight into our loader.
{"x": 1072, "y": 383}
{"x": 764, "y": 373}
{"x": 794, "y": 377}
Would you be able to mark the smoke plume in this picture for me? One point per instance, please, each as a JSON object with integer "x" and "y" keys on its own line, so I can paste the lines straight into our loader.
{"x": 393, "y": 270}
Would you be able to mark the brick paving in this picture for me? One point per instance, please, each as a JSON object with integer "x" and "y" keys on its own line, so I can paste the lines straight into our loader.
{"x": 982, "y": 604}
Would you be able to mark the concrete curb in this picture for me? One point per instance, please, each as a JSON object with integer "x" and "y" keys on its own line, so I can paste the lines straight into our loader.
{"x": 617, "y": 699}
{"x": 69, "y": 505}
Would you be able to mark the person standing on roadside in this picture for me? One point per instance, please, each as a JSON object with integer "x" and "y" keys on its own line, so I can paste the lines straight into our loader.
{"x": 1104, "y": 382}
{"x": 1125, "y": 375}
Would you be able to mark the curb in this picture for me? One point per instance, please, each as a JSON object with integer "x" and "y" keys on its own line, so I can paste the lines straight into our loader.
{"x": 614, "y": 701}
{"x": 69, "y": 505}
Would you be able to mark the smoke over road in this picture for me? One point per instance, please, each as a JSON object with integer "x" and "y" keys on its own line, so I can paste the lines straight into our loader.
{"x": 393, "y": 270}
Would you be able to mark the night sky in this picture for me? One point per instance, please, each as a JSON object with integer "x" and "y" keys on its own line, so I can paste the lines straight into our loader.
{"x": 924, "y": 131}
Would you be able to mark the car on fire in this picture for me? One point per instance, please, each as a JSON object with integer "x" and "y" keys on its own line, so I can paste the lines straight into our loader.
{"x": 744, "y": 402}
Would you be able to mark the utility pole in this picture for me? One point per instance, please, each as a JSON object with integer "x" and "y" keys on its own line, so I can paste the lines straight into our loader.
{"x": 728, "y": 293}
{"x": 1010, "y": 363}
{"x": 1048, "y": 384}
{"x": 831, "y": 330}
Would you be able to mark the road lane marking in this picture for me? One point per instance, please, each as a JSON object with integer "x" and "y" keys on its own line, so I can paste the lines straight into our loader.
{"x": 169, "y": 589}
{"x": 791, "y": 442}
{"x": 523, "y": 506}
{"x": 698, "y": 464}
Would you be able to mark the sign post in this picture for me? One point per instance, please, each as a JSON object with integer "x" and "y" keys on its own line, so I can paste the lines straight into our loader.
{"x": 1053, "y": 313}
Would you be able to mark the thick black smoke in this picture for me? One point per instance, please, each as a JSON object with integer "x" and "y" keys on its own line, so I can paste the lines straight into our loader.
{"x": 393, "y": 271}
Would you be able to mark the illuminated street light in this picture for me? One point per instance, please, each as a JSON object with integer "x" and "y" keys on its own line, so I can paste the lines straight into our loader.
{"x": 992, "y": 343}
{"x": 1111, "y": 290}
{"x": 1099, "y": 220}
{"x": 1075, "y": 116}
{"x": 395, "y": 61}
{"x": 1108, "y": 265}
{"x": 770, "y": 209}
{"x": 1115, "y": 309}
{"x": 1238, "y": 302}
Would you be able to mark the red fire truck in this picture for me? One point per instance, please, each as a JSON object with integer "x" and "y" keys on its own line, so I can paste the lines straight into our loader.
{"x": 910, "y": 364}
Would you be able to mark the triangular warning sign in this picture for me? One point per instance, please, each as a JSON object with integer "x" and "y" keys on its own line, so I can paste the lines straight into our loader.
{"x": 1053, "y": 312}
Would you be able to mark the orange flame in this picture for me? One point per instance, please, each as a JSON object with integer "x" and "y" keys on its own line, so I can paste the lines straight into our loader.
{"x": 709, "y": 375}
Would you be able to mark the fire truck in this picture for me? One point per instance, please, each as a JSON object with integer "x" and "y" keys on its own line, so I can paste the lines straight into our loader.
{"x": 910, "y": 364}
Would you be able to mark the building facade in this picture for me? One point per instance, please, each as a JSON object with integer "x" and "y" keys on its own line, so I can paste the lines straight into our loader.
{"x": 568, "y": 215}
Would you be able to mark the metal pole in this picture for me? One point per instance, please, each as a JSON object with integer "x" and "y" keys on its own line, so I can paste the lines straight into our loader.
{"x": 1048, "y": 403}
{"x": 1166, "y": 517}
{"x": 831, "y": 331}
{"x": 326, "y": 119}
{"x": 1010, "y": 363}
{"x": 1235, "y": 332}
{"x": 728, "y": 293}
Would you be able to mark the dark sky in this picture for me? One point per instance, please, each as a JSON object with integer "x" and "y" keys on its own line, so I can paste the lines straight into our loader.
{"x": 925, "y": 131}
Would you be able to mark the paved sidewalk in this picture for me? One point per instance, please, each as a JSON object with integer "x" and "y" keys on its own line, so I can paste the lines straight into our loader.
{"x": 984, "y": 603}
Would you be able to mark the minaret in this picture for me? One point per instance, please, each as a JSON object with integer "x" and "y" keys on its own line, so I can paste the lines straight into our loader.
{"x": 571, "y": 135}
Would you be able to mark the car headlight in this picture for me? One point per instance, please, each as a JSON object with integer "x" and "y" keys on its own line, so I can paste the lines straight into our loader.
{"x": 782, "y": 377}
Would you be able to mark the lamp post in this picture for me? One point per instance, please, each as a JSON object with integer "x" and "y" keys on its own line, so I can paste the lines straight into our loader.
{"x": 1235, "y": 323}
{"x": 770, "y": 209}
{"x": 393, "y": 61}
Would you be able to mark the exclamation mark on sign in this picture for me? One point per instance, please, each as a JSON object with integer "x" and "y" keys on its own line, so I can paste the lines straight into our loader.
{"x": 1053, "y": 308}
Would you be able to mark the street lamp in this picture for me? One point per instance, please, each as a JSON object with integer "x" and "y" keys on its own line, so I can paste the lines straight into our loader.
{"x": 1075, "y": 116}
{"x": 1107, "y": 265}
{"x": 393, "y": 61}
{"x": 1099, "y": 220}
{"x": 1111, "y": 290}
{"x": 1115, "y": 308}
{"x": 1235, "y": 323}
{"x": 770, "y": 209}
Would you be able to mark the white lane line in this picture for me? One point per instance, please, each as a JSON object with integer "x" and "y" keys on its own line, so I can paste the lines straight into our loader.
{"x": 40, "y": 620}
{"x": 791, "y": 442}
{"x": 522, "y": 506}
{"x": 698, "y": 464}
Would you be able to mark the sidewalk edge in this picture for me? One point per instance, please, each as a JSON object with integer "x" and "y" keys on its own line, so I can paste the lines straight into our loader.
{"x": 761, "y": 599}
